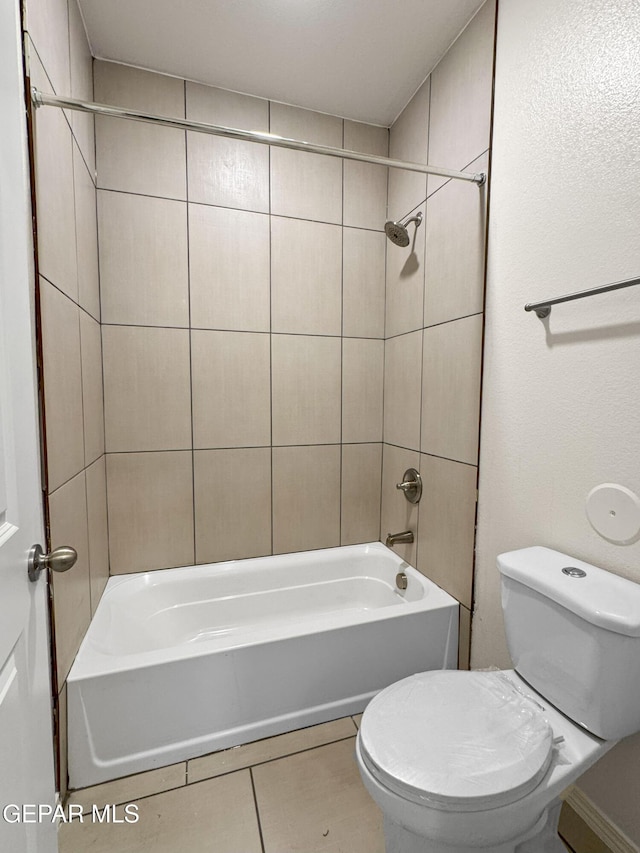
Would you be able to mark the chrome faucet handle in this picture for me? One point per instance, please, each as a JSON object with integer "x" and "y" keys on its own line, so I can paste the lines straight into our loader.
{"x": 411, "y": 485}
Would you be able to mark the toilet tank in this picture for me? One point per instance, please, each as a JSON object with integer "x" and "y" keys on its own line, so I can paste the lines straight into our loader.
{"x": 574, "y": 636}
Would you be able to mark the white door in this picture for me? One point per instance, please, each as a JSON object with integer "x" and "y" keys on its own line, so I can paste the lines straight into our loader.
{"x": 26, "y": 747}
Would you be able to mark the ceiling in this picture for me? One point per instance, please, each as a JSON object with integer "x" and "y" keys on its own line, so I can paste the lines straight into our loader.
{"x": 361, "y": 59}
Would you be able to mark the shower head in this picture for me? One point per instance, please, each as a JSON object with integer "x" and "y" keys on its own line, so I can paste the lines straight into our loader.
{"x": 397, "y": 231}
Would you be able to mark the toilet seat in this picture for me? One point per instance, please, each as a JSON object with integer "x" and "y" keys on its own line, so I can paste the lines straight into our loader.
{"x": 458, "y": 741}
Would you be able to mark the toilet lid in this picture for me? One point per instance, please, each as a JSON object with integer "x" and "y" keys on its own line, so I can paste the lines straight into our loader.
{"x": 458, "y": 740}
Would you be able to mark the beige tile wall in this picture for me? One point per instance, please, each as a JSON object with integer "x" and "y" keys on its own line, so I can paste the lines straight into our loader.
{"x": 242, "y": 294}
{"x": 434, "y": 317}
{"x": 60, "y": 61}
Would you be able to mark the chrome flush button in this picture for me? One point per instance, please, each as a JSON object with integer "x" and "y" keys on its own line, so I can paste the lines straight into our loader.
{"x": 574, "y": 572}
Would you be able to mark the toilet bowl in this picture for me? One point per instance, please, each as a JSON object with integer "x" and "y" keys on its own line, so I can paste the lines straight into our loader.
{"x": 468, "y": 761}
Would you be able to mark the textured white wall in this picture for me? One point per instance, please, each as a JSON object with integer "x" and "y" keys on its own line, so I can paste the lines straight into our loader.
{"x": 561, "y": 405}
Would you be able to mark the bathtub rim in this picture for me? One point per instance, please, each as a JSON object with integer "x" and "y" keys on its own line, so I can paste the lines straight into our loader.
{"x": 91, "y": 662}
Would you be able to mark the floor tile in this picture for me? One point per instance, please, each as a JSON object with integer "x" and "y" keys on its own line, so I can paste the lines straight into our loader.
{"x": 217, "y": 816}
{"x": 357, "y": 719}
{"x": 315, "y": 801}
{"x": 269, "y": 748}
{"x": 130, "y": 788}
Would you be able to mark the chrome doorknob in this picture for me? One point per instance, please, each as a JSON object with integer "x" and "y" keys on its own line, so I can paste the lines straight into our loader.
{"x": 59, "y": 560}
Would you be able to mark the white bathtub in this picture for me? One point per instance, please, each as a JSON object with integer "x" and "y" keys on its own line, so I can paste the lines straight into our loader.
{"x": 182, "y": 662}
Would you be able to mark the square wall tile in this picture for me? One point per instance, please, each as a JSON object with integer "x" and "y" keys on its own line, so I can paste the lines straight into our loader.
{"x": 228, "y": 172}
{"x": 455, "y": 251}
{"x": 397, "y": 513}
{"x": 306, "y": 498}
{"x": 132, "y": 156}
{"x": 409, "y": 140}
{"x": 405, "y": 282}
{"x": 306, "y": 125}
{"x": 86, "y": 236}
{"x": 222, "y": 171}
{"x": 71, "y": 590}
{"x": 363, "y": 283}
{"x": 306, "y": 379}
{"x": 231, "y": 389}
{"x": 306, "y": 277}
{"x": 232, "y": 491}
{"x": 306, "y": 186}
{"x": 96, "y": 475}
{"x": 451, "y": 373}
{"x": 55, "y": 203}
{"x": 92, "y": 395}
{"x": 62, "y": 370}
{"x": 366, "y": 138}
{"x": 362, "y": 384}
{"x": 150, "y": 500}
{"x": 229, "y": 269}
{"x": 461, "y": 95}
{"x": 409, "y": 134}
{"x": 230, "y": 109}
{"x": 365, "y": 195}
{"x": 361, "y": 492}
{"x": 216, "y": 815}
{"x": 446, "y": 525}
{"x": 47, "y": 23}
{"x": 406, "y": 191}
{"x": 306, "y": 799}
{"x": 133, "y": 88}
{"x": 147, "y": 394}
{"x": 402, "y": 390}
{"x": 140, "y": 158}
{"x": 143, "y": 260}
{"x": 81, "y": 67}
{"x": 365, "y": 185}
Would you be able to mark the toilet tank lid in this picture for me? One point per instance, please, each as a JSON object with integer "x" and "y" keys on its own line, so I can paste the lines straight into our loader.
{"x": 600, "y": 597}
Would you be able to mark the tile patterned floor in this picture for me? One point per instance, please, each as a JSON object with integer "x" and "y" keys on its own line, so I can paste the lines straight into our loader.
{"x": 295, "y": 793}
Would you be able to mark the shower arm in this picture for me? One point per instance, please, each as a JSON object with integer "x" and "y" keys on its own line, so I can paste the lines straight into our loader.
{"x": 42, "y": 99}
{"x": 417, "y": 219}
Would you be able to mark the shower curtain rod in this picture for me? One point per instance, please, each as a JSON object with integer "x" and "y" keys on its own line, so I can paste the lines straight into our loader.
{"x": 42, "y": 99}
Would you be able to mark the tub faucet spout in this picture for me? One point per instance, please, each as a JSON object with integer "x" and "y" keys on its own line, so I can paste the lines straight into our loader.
{"x": 398, "y": 538}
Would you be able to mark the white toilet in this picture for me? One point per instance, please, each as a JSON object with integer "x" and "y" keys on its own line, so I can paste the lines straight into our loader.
{"x": 465, "y": 761}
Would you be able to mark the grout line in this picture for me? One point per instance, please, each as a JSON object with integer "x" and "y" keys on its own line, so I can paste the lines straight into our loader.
{"x": 384, "y": 354}
{"x": 70, "y": 298}
{"x": 100, "y": 326}
{"x": 242, "y": 209}
{"x": 434, "y": 325}
{"x": 433, "y": 455}
{"x": 229, "y": 331}
{"x": 270, "y": 345}
{"x": 245, "y": 447}
{"x": 276, "y": 757}
{"x": 255, "y": 804}
{"x": 53, "y": 89}
{"x": 341, "y": 461}
{"x": 188, "y": 784}
{"x": 193, "y": 451}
